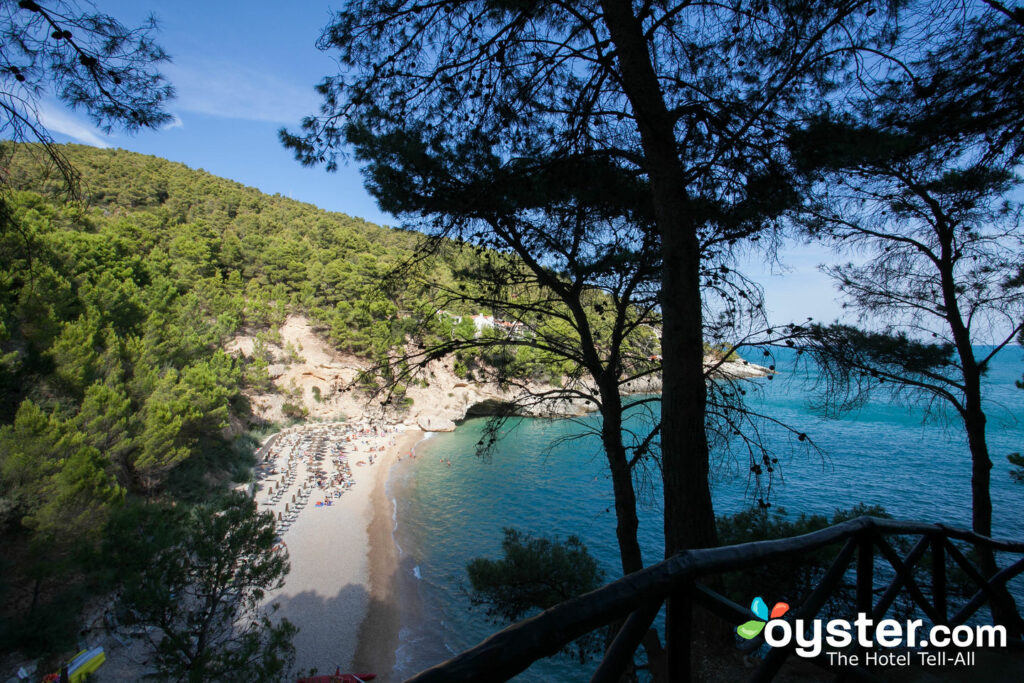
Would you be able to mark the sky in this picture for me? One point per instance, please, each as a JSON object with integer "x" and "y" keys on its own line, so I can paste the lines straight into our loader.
{"x": 244, "y": 70}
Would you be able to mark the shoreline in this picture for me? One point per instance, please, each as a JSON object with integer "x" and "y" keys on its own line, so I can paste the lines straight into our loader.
{"x": 377, "y": 639}
{"x": 330, "y": 590}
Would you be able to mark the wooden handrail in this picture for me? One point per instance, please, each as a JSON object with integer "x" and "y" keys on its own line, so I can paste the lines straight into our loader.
{"x": 514, "y": 648}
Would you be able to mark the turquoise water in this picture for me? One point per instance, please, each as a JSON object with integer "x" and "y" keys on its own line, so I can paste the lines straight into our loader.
{"x": 883, "y": 454}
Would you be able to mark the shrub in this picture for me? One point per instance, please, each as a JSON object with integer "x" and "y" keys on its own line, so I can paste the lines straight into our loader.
{"x": 534, "y": 574}
{"x": 789, "y": 580}
{"x": 293, "y": 412}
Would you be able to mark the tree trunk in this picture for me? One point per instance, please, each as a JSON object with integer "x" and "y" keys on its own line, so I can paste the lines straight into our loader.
{"x": 626, "y": 519}
{"x": 972, "y": 412}
{"x": 981, "y": 463}
{"x": 689, "y": 515}
{"x": 1004, "y": 609}
{"x": 606, "y": 378}
{"x": 37, "y": 589}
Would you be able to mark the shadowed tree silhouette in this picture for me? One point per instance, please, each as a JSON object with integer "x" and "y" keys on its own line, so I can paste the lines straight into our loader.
{"x": 919, "y": 178}
{"x": 88, "y": 61}
{"x": 688, "y": 96}
{"x": 199, "y": 577}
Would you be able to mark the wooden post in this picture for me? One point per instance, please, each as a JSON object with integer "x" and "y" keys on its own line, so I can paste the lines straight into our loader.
{"x": 619, "y": 655}
{"x": 979, "y": 598}
{"x": 939, "y": 578}
{"x": 906, "y": 576}
{"x": 776, "y": 656}
{"x": 679, "y": 634}
{"x": 890, "y": 593}
{"x": 865, "y": 573}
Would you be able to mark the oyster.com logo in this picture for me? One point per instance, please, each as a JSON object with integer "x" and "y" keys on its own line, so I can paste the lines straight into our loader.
{"x": 931, "y": 645}
{"x": 752, "y": 629}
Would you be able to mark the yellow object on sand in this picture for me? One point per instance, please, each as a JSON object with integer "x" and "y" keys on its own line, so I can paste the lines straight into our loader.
{"x": 84, "y": 663}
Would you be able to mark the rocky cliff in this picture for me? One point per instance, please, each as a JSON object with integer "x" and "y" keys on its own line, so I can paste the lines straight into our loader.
{"x": 311, "y": 377}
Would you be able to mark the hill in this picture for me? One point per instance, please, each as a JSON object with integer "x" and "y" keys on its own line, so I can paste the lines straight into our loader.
{"x": 116, "y": 316}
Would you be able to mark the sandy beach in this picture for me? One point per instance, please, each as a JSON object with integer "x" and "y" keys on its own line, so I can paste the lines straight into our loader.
{"x": 378, "y": 634}
{"x": 340, "y": 591}
{"x": 340, "y": 588}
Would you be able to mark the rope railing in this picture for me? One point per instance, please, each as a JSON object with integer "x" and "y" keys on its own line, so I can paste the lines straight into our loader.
{"x": 634, "y": 600}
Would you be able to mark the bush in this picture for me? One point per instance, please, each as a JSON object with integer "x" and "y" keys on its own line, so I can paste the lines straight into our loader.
{"x": 534, "y": 574}
{"x": 787, "y": 580}
{"x": 51, "y": 627}
{"x": 293, "y": 412}
{"x": 204, "y": 570}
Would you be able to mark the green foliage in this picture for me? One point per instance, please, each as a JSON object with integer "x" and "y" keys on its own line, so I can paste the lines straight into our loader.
{"x": 52, "y": 480}
{"x": 114, "y": 313}
{"x": 199, "y": 576}
{"x": 113, "y": 316}
{"x": 535, "y": 573}
{"x": 789, "y": 580}
{"x": 293, "y": 412}
{"x": 1017, "y": 460}
{"x": 51, "y": 626}
{"x": 720, "y": 352}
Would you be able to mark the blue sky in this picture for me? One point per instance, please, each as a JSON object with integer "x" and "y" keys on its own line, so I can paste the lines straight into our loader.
{"x": 244, "y": 70}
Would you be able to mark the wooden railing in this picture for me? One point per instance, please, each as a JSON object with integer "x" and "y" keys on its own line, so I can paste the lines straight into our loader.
{"x": 635, "y": 600}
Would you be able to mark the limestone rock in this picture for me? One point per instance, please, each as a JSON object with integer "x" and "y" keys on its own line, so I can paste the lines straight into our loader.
{"x": 434, "y": 423}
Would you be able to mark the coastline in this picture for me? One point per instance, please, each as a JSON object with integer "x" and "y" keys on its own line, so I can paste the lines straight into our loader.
{"x": 377, "y": 638}
{"x": 327, "y": 593}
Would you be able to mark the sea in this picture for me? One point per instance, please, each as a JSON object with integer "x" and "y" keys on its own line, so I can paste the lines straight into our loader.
{"x": 549, "y": 477}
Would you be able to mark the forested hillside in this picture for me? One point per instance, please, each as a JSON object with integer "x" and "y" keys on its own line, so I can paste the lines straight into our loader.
{"x": 116, "y": 307}
{"x": 114, "y": 311}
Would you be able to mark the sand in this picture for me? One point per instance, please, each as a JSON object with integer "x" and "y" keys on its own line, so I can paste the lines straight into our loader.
{"x": 340, "y": 591}
{"x": 378, "y": 633}
{"x": 343, "y": 560}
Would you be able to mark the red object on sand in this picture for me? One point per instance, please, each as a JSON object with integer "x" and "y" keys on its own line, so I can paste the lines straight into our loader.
{"x": 338, "y": 678}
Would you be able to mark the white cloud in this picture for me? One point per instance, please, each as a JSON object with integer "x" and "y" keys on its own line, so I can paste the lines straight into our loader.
{"x": 58, "y": 120}
{"x": 218, "y": 88}
{"x": 176, "y": 122}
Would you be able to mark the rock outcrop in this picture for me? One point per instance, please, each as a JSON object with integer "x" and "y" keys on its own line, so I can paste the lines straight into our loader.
{"x": 434, "y": 423}
{"x": 310, "y": 375}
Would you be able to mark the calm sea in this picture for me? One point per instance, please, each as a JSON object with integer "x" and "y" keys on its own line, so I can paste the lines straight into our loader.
{"x": 540, "y": 482}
